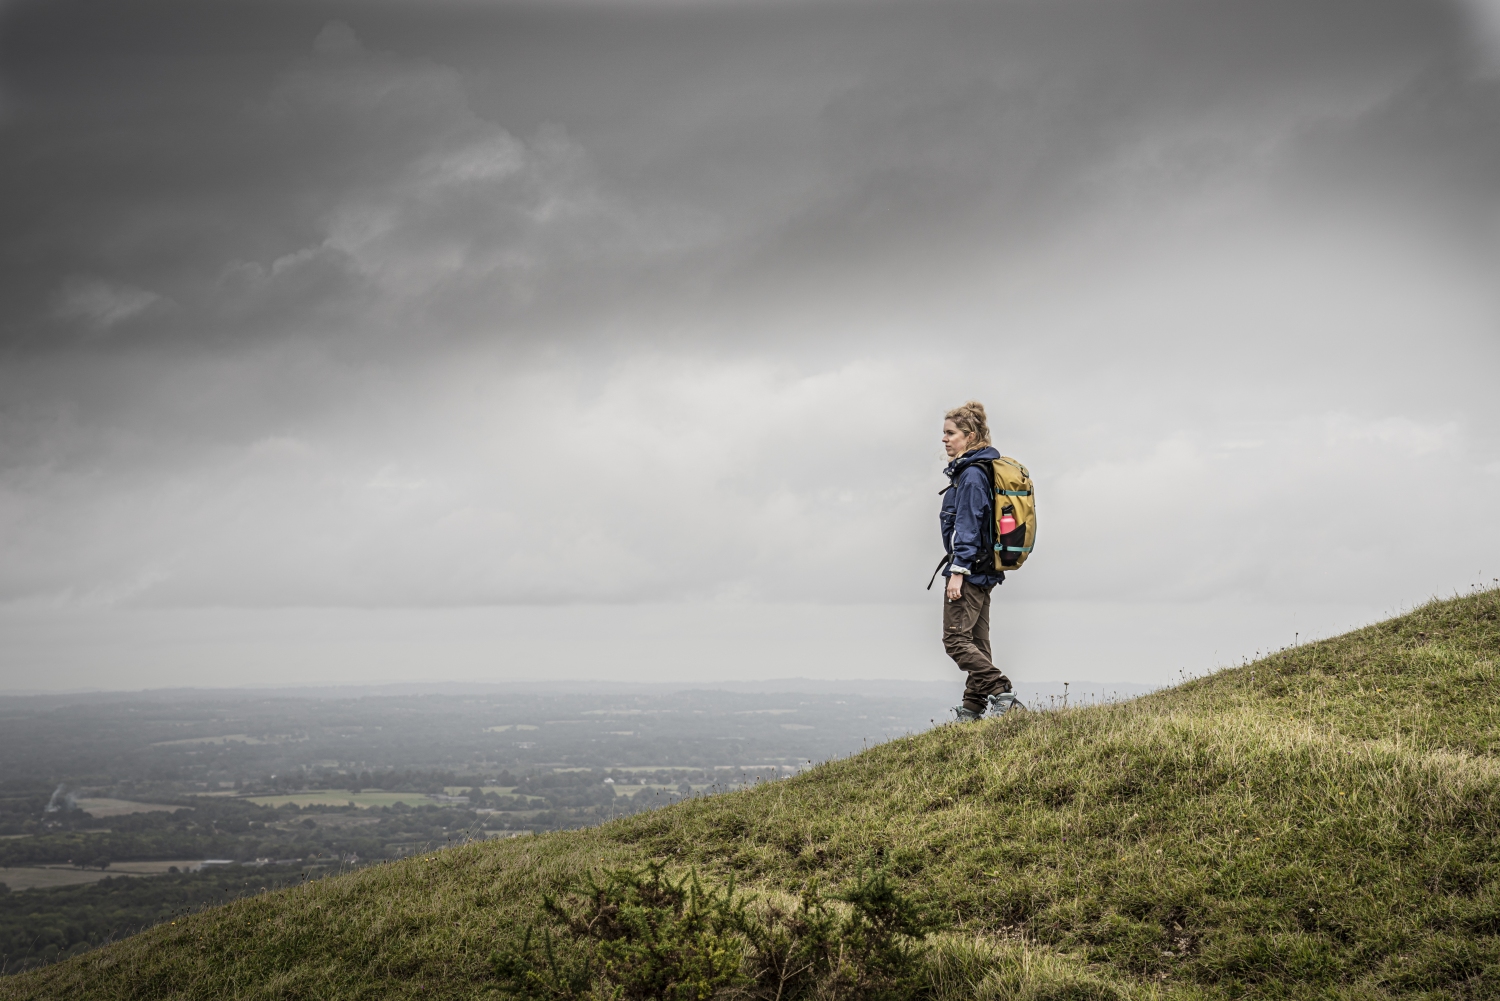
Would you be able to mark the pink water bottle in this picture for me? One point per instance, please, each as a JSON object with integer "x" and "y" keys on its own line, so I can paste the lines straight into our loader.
{"x": 1007, "y": 524}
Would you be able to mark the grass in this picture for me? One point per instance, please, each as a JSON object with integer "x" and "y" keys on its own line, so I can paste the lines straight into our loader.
{"x": 1323, "y": 823}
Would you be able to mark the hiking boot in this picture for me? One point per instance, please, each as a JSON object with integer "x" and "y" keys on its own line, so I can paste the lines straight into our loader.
{"x": 1000, "y": 702}
{"x": 967, "y": 715}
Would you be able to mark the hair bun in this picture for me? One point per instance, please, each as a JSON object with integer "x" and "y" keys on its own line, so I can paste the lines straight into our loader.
{"x": 970, "y": 419}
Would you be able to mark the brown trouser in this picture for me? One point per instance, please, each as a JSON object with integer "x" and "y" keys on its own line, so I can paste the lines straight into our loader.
{"x": 966, "y": 637}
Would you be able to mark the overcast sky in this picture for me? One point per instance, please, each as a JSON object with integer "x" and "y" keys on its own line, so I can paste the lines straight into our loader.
{"x": 480, "y": 340}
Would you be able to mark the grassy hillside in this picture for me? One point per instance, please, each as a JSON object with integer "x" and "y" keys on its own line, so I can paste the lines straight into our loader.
{"x": 1322, "y": 823}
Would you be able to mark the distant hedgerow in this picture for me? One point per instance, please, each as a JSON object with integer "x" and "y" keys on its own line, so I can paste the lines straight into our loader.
{"x": 636, "y": 934}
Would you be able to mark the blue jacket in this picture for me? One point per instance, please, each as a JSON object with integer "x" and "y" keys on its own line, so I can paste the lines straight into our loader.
{"x": 967, "y": 519}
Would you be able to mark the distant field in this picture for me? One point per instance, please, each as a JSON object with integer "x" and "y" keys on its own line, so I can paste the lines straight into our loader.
{"x": 487, "y": 790}
{"x": 120, "y": 807}
{"x": 238, "y": 738}
{"x": 686, "y": 768}
{"x": 632, "y": 792}
{"x": 342, "y": 797}
{"x": 41, "y": 877}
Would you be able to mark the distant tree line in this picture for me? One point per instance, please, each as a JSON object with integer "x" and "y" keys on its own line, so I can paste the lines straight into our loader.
{"x": 42, "y": 926}
{"x": 234, "y": 829}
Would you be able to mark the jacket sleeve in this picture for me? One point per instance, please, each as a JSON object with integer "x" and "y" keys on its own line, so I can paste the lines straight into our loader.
{"x": 973, "y": 503}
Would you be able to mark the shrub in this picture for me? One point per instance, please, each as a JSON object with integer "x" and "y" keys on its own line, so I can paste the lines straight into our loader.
{"x": 632, "y": 935}
{"x": 637, "y": 934}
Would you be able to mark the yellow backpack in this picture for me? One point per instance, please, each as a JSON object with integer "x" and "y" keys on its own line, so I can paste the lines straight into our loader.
{"x": 1015, "y": 499}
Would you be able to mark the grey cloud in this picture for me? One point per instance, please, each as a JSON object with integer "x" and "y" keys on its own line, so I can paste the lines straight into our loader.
{"x": 1485, "y": 17}
{"x": 99, "y": 304}
{"x": 654, "y": 153}
{"x": 339, "y": 187}
{"x": 1431, "y": 147}
{"x": 439, "y": 305}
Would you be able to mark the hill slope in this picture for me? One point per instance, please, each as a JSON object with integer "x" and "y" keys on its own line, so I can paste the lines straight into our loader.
{"x": 1322, "y": 823}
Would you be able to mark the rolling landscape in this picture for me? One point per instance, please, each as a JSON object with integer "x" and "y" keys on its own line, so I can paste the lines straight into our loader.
{"x": 118, "y": 810}
{"x": 499, "y": 500}
{"x": 1323, "y": 822}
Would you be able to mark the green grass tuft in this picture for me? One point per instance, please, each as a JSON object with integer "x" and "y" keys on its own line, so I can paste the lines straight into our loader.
{"x": 1323, "y": 823}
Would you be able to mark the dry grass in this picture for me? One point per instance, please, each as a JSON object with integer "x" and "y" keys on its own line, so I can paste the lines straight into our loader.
{"x": 1322, "y": 823}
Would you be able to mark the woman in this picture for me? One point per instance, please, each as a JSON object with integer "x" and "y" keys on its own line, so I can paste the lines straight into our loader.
{"x": 967, "y": 522}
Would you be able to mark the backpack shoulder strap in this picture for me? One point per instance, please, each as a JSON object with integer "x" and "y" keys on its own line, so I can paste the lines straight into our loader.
{"x": 947, "y": 557}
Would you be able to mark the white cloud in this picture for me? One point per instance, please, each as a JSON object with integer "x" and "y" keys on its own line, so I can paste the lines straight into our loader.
{"x": 1329, "y": 505}
{"x": 1251, "y": 462}
{"x": 1404, "y": 438}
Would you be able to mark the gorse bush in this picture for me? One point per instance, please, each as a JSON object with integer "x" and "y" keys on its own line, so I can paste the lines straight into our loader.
{"x": 636, "y": 934}
{"x": 630, "y": 935}
{"x": 874, "y": 948}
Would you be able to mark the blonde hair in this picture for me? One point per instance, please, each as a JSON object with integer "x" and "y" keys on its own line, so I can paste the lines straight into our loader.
{"x": 970, "y": 419}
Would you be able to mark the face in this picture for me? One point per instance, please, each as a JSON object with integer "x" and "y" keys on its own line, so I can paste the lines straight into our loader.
{"x": 955, "y": 442}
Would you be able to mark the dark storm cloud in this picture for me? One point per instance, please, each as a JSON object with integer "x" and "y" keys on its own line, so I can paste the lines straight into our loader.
{"x": 303, "y": 170}
{"x": 299, "y": 189}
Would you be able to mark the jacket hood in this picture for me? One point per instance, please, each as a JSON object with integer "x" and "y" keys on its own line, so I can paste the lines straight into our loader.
{"x": 970, "y": 457}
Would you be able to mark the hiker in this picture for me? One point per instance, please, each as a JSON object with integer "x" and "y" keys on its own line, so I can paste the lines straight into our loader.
{"x": 966, "y": 519}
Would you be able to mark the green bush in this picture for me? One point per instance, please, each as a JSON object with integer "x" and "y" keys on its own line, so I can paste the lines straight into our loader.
{"x": 636, "y": 934}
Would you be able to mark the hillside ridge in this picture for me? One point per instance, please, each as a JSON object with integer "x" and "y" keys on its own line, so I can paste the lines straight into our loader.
{"x": 1323, "y": 822}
